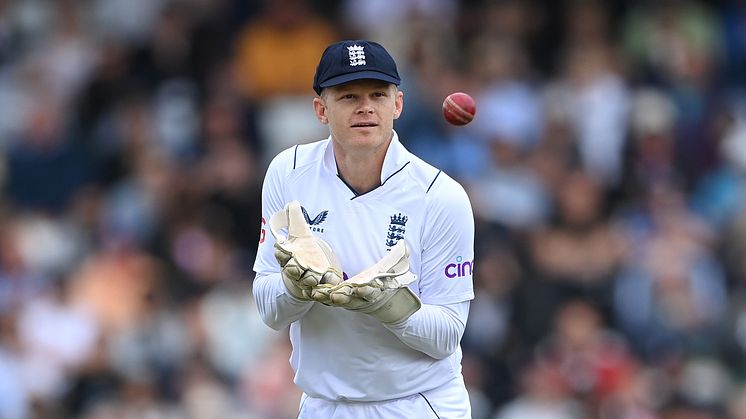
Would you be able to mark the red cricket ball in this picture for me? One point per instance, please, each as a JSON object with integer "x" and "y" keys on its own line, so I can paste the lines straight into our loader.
{"x": 459, "y": 108}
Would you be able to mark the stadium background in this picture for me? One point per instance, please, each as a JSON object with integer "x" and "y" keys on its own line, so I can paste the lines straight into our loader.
{"x": 605, "y": 166}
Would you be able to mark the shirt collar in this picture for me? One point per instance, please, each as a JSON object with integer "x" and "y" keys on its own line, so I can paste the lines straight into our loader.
{"x": 396, "y": 158}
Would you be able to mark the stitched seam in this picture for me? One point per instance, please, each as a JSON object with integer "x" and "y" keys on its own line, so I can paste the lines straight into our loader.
{"x": 433, "y": 182}
{"x": 384, "y": 182}
{"x": 350, "y": 188}
{"x": 431, "y": 406}
{"x": 391, "y": 175}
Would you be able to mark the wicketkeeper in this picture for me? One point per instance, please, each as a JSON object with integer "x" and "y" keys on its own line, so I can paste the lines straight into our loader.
{"x": 369, "y": 255}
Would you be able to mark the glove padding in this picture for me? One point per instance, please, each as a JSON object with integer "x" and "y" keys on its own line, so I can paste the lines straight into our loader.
{"x": 381, "y": 290}
{"x": 307, "y": 262}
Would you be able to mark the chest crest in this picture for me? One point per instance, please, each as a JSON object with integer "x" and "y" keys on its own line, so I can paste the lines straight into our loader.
{"x": 396, "y": 230}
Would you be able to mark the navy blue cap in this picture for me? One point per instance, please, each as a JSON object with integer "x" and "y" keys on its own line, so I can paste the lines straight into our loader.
{"x": 350, "y": 60}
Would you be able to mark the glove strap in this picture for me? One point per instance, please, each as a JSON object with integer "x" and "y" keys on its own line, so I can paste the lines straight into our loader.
{"x": 289, "y": 217}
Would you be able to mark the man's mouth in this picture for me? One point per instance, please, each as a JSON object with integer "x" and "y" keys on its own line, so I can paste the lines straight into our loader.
{"x": 364, "y": 125}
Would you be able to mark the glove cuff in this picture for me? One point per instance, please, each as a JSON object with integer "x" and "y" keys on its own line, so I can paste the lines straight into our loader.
{"x": 402, "y": 304}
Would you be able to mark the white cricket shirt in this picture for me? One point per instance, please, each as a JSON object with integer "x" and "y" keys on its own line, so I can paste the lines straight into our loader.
{"x": 343, "y": 355}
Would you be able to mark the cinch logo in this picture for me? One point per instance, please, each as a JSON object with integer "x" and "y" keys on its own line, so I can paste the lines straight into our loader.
{"x": 316, "y": 221}
{"x": 459, "y": 269}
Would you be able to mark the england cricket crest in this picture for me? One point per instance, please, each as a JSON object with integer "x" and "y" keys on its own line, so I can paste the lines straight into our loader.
{"x": 396, "y": 230}
{"x": 357, "y": 55}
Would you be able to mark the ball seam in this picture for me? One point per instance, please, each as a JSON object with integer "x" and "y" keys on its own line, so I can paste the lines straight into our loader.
{"x": 458, "y": 112}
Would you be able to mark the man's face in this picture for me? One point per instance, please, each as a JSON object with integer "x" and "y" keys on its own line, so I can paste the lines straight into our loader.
{"x": 360, "y": 113}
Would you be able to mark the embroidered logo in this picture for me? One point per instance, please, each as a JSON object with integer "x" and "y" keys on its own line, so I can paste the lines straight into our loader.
{"x": 312, "y": 223}
{"x": 357, "y": 55}
{"x": 396, "y": 229}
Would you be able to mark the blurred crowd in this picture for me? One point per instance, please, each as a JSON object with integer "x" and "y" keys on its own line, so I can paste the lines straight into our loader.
{"x": 606, "y": 167}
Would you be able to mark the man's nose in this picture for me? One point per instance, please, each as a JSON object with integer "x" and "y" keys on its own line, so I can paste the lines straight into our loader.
{"x": 365, "y": 107}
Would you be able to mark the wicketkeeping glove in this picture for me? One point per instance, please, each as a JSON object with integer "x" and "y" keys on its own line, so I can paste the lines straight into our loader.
{"x": 307, "y": 262}
{"x": 381, "y": 290}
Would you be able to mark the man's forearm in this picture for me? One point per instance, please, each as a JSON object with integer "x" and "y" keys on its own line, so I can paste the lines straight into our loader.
{"x": 434, "y": 329}
{"x": 276, "y": 306}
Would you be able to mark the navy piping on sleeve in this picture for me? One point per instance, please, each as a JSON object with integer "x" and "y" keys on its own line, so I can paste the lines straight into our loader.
{"x": 295, "y": 155}
{"x": 433, "y": 182}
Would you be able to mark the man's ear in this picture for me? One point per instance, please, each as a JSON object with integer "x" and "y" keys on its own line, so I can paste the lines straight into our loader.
{"x": 399, "y": 104}
{"x": 319, "y": 109}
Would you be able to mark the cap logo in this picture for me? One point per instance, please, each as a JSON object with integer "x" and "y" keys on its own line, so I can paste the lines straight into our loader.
{"x": 357, "y": 55}
{"x": 346, "y": 61}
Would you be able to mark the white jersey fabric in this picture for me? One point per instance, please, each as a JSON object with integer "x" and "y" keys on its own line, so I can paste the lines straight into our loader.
{"x": 446, "y": 402}
{"x": 340, "y": 355}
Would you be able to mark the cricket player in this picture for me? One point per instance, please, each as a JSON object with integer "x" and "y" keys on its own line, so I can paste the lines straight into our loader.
{"x": 367, "y": 252}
